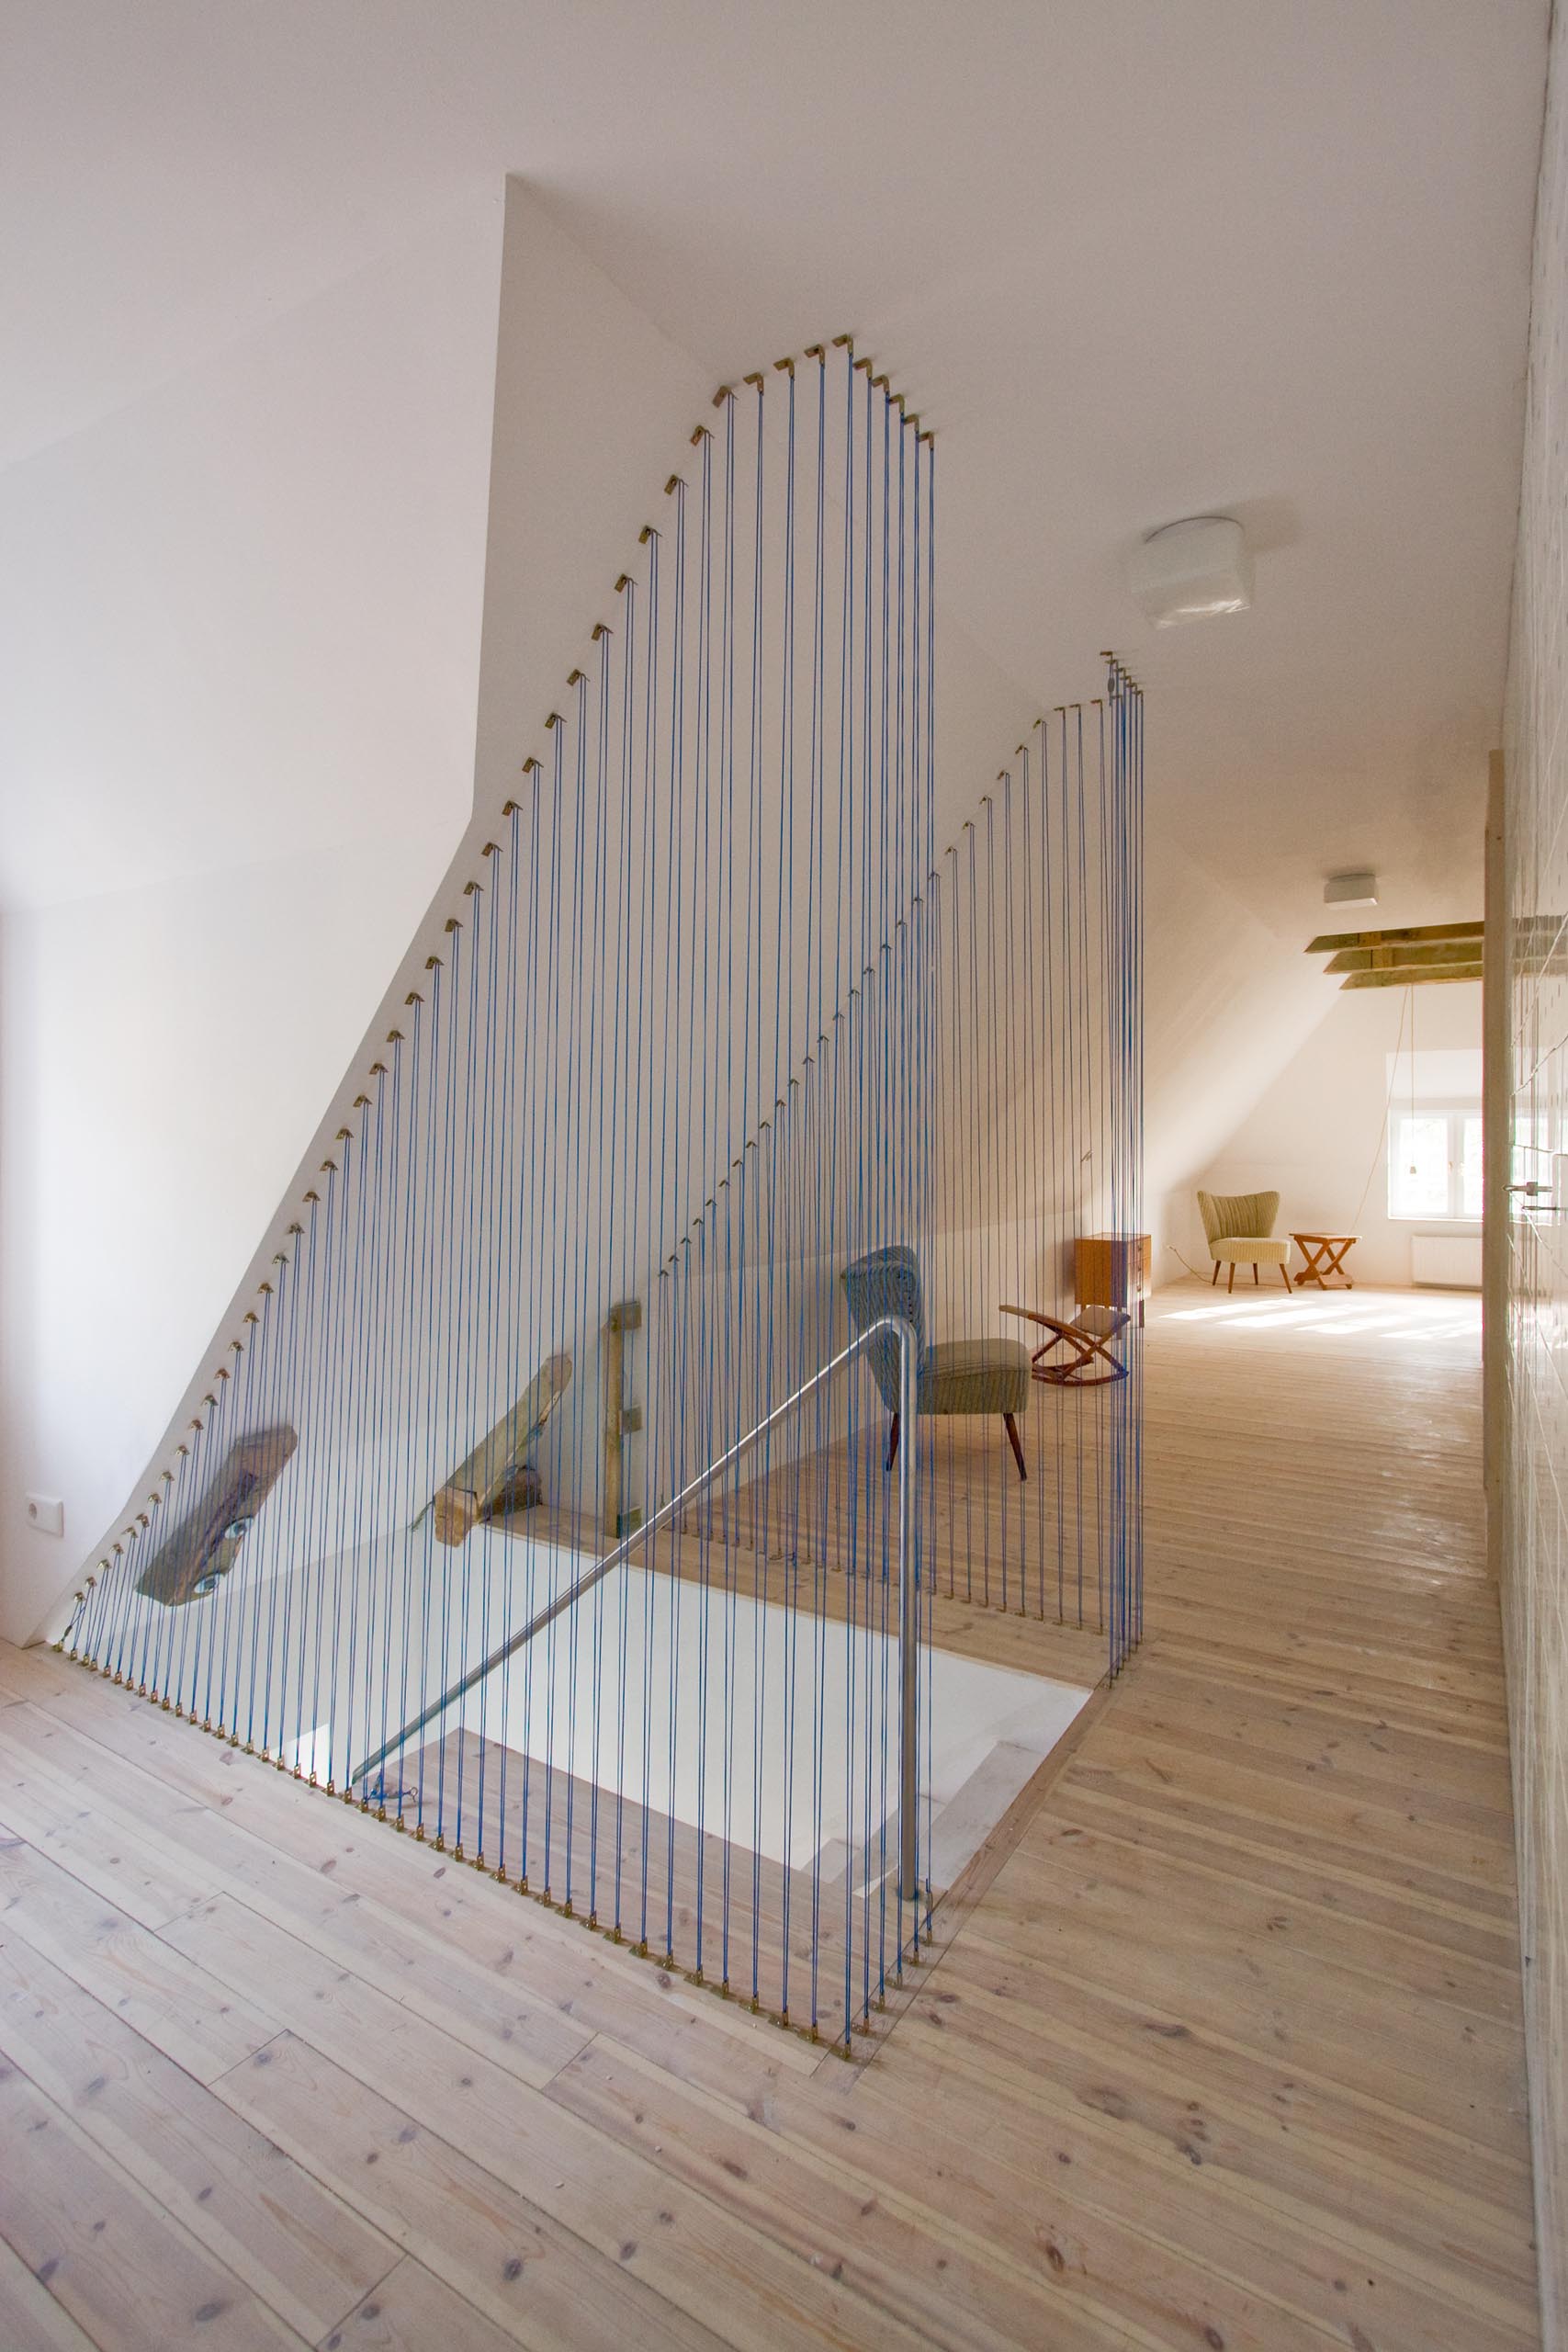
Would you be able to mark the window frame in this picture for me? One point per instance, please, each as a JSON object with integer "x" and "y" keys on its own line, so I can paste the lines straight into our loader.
{"x": 1456, "y": 1113}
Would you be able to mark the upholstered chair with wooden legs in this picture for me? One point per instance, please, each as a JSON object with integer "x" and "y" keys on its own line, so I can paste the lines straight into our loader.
{"x": 1240, "y": 1227}
{"x": 956, "y": 1376}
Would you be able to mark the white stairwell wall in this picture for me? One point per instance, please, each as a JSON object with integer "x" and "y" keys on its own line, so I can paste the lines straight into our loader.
{"x": 238, "y": 658}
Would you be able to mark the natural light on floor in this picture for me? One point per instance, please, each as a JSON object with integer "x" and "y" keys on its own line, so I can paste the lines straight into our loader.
{"x": 1367, "y": 1313}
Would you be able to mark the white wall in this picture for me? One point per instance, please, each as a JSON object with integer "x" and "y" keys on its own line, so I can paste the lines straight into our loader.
{"x": 1227, "y": 1001}
{"x": 239, "y": 640}
{"x": 1317, "y": 1133}
{"x": 238, "y": 619}
{"x": 166, "y": 1054}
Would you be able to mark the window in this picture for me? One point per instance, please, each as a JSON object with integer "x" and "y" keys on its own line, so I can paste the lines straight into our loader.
{"x": 1435, "y": 1163}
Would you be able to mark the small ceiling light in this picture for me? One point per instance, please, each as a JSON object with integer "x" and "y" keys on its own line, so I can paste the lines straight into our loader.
{"x": 1351, "y": 890}
{"x": 1190, "y": 571}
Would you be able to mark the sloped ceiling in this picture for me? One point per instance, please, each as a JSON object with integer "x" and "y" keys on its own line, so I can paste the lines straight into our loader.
{"x": 1139, "y": 261}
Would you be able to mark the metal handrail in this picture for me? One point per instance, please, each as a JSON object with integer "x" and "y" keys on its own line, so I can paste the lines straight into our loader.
{"x": 903, "y": 1333}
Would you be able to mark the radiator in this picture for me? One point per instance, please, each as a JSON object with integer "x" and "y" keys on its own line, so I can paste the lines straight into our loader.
{"x": 1446, "y": 1260}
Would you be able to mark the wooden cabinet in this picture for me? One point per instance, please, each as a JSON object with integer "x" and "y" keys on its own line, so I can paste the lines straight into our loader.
{"x": 1112, "y": 1269}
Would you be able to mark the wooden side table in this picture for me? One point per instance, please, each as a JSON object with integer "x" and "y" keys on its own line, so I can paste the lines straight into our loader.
{"x": 1325, "y": 1254}
{"x": 1112, "y": 1269}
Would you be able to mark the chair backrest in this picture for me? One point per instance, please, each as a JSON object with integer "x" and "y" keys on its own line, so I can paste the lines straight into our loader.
{"x": 1235, "y": 1217}
{"x": 885, "y": 1281}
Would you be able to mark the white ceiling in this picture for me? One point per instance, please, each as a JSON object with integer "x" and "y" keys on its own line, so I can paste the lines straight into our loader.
{"x": 1133, "y": 260}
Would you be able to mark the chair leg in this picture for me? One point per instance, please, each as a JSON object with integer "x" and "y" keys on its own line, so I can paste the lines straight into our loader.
{"x": 892, "y": 1443}
{"x": 1285, "y": 1278}
{"x": 1256, "y": 1277}
{"x": 1230, "y": 1284}
{"x": 1216, "y": 1270}
{"x": 1013, "y": 1440}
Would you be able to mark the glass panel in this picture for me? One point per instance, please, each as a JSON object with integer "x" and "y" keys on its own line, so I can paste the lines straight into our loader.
{"x": 1532, "y": 1146}
{"x": 1419, "y": 1166}
{"x": 1470, "y": 1164}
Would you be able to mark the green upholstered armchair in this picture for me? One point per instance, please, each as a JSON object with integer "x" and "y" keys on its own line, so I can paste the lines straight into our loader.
{"x": 1240, "y": 1227}
{"x": 955, "y": 1376}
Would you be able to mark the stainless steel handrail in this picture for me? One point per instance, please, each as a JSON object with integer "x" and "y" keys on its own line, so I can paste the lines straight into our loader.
{"x": 894, "y": 1327}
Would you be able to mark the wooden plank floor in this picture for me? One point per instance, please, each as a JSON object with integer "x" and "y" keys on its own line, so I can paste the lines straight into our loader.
{"x": 1225, "y": 2050}
{"x": 671, "y": 1889}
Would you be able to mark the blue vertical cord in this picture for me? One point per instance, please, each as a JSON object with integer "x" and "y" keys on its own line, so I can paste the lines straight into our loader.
{"x": 163, "y": 1520}
{"x": 182, "y": 1620}
{"x": 445, "y": 1001}
{"x": 1032, "y": 1157}
{"x": 466, "y": 1423}
{"x": 347, "y": 1345}
{"x": 389, "y": 1101}
{"x": 733, "y": 1324}
{"x": 216, "y": 1632}
{"x": 375, "y": 1449}
{"x": 359, "y": 1375}
{"x": 264, "y": 1349}
{"x": 643, "y": 637}
{"x": 700, "y": 1174}
{"x": 279, "y": 1661}
{"x": 327, "y": 1535}
{"x": 551, "y": 1259}
{"x": 327, "y": 1542}
{"x": 1108, "y": 1425}
{"x": 494, "y": 1398}
{"x": 990, "y": 1171}
{"x": 407, "y": 1065}
{"x": 428, "y": 1033}
{"x": 459, "y": 1332}
{"x": 678, "y": 1124}
{"x": 538, "y": 1324}
{"x": 1083, "y": 1078}
{"x": 628, "y": 1255}
{"x": 305, "y": 1549}
{"x": 660, "y": 1400}
{"x": 748, "y": 1165}
{"x": 585, "y": 1174}
{"x": 512, "y": 1178}
{"x": 589, "y": 1179}
{"x": 604, "y": 1092}
{"x": 576, "y": 1272}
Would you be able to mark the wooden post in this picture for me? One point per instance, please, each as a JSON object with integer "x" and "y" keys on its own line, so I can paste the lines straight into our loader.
{"x": 620, "y": 1418}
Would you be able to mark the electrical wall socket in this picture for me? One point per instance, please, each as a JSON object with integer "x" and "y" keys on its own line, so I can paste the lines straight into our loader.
{"x": 47, "y": 1513}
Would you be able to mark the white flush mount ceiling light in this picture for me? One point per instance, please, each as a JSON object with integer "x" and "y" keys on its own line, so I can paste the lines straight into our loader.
{"x": 1351, "y": 890}
{"x": 1190, "y": 570}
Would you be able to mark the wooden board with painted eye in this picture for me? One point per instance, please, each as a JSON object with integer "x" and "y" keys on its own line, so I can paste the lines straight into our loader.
{"x": 205, "y": 1545}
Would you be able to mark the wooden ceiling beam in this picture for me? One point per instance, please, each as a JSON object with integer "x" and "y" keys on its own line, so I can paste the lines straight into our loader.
{"x": 1429, "y": 954}
{"x": 1412, "y": 977}
{"x": 1421, "y": 933}
{"x": 1439, "y": 951}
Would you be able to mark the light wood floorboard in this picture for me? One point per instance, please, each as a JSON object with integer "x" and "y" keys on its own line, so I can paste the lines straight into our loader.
{"x": 1221, "y": 2047}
